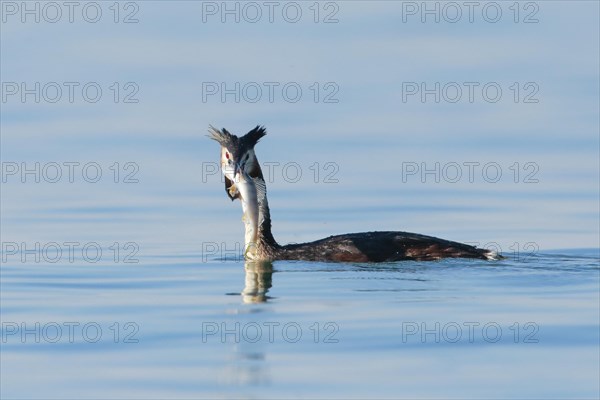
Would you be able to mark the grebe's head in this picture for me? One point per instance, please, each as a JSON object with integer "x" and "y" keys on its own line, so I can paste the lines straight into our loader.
{"x": 237, "y": 155}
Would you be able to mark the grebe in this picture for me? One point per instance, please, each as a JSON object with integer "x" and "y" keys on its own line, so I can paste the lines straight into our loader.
{"x": 244, "y": 181}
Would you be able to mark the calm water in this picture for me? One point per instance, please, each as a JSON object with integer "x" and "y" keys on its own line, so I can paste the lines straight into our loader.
{"x": 185, "y": 327}
{"x": 153, "y": 302}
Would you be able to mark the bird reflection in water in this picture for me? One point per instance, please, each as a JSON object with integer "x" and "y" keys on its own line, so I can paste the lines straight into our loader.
{"x": 247, "y": 366}
{"x": 259, "y": 277}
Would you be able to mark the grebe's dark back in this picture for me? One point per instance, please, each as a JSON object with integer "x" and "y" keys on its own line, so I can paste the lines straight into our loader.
{"x": 244, "y": 181}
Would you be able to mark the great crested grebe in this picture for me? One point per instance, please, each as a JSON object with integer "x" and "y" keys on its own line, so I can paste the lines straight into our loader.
{"x": 244, "y": 181}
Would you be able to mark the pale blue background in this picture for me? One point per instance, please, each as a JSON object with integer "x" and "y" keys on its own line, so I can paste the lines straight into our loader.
{"x": 368, "y": 134}
{"x": 173, "y": 213}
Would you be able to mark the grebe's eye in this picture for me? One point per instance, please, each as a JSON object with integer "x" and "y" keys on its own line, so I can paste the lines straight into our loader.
{"x": 227, "y": 155}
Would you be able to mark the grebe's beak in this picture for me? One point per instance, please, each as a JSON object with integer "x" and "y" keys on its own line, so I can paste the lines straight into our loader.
{"x": 238, "y": 172}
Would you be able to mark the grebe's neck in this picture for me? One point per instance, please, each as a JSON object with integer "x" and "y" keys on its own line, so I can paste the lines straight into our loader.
{"x": 259, "y": 243}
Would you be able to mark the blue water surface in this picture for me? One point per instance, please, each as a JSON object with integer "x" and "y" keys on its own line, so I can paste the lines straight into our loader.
{"x": 181, "y": 327}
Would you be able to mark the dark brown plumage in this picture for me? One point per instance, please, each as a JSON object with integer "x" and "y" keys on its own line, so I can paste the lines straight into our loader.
{"x": 379, "y": 247}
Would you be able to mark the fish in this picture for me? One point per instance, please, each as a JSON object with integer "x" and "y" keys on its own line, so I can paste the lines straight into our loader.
{"x": 247, "y": 188}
